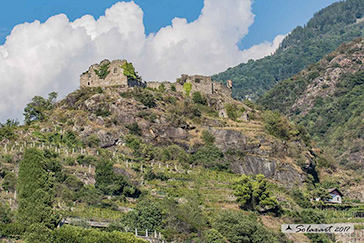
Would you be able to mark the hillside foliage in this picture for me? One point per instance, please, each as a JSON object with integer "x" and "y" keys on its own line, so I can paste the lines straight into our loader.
{"x": 326, "y": 31}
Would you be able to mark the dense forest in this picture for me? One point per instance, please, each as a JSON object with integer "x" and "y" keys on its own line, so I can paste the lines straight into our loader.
{"x": 326, "y": 31}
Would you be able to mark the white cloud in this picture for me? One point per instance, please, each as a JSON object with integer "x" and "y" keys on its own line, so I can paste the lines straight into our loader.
{"x": 38, "y": 58}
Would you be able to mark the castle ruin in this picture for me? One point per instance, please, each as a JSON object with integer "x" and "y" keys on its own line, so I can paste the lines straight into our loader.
{"x": 113, "y": 74}
{"x": 108, "y": 74}
{"x": 199, "y": 83}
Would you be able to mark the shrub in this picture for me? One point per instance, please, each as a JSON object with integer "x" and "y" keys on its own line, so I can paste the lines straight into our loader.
{"x": 173, "y": 88}
{"x": 72, "y": 234}
{"x": 92, "y": 141}
{"x": 198, "y": 98}
{"x": 111, "y": 183}
{"x": 129, "y": 71}
{"x": 134, "y": 129}
{"x": 209, "y": 156}
{"x": 102, "y": 112}
{"x": 232, "y": 111}
{"x": 146, "y": 216}
{"x": 207, "y": 137}
{"x": 237, "y": 227}
{"x": 162, "y": 88}
{"x": 187, "y": 87}
{"x": 38, "y": 233}
{"x": 9, "y": 182}
{"x": 103, "y": 71}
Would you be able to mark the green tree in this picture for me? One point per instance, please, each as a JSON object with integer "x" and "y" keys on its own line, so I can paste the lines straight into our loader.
{"x": 35, "y": 190}
{"x": 146, "y": 216}
{"x": 111, "y": 183}
{"x": 35, "y": 110}
{"x": 253, "y": 193}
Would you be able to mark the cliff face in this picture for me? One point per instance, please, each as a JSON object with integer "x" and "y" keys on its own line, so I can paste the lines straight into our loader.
{"x": 327, "y": 98}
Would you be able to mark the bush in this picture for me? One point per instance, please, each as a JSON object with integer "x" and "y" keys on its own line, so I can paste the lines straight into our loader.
{"x": 9, "y": 182}
{"x": 232, "y": 111}
{"x": 5, "y": 213}
{"x": 209, "y": 156}
{"x": 214, "y": 236}
{"x": 198, "y": 98}
{"x": 207, "y": 137}
{"x": 72, "y": 234}
{"x": 162, "y": 88}
{"x": 38, "y": 233}
{"x": 237, "y": 227}
{"x": 111, "y": 183}
{"x": 129, "y": 71}
{"x": 103, "y": 71}
{"x": 187, "y": 87}
{"x": 92, "y": 141}
{"x": 146, "y": 216}
{"x": 312, "y": 216}
{"x": 134, "y": 129}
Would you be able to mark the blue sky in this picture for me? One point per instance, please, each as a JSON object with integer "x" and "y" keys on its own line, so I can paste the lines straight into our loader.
{"x": 273, "y": 17}
{"x": 42, "y": 57}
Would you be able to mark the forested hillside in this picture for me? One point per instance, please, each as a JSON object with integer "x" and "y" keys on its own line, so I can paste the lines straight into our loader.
{"x": 327, "y": 30}
{"x": 327, "y": 98}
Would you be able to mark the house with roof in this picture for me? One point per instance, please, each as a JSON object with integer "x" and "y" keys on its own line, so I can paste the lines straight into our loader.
{"x": 336, "y": 195}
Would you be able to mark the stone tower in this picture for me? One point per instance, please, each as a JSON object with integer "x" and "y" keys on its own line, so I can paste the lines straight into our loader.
{"x": 105, "y": 74}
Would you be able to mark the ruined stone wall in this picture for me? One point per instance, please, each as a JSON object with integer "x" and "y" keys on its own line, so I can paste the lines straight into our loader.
{"x": 115, "y": 77}
{"x": 202, "y": 84}
{"x": 167, "y": 85}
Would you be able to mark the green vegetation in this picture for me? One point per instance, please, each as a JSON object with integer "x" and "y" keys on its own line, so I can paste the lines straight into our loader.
{"x": 134, "y": 129}
{"x": 129, "y": 71}
{"x": 334, "y": 121}
{"x": 207, "y": 137}
{"x": 36, "y": 110}
{"x": 111, "y": 183}
{"x": 142, "y": 95}
{"x": 199, "y": 98}
{"x": 72, "y": 234}
{"x": 36, "y": 193}
{"x": 103, "y": 71}
{"x": 237, "y": 227}
{"x": 187, "y": 87}
{"x": 325, "y": 32}
{"x": 253, "y": 193}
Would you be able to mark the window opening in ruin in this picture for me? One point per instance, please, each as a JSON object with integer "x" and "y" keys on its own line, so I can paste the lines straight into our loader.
{"x": 88, "y": 83}
{"x": 115, "y": 70}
